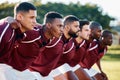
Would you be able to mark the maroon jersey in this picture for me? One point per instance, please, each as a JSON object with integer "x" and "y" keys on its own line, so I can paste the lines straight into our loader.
{"x": 8, "y": 36}
{"x": 73, "y": 52}
{"x": 26, "y": 51}
{"x": 79, "y": 53}
{"x": 68, "y": 52}
{"x": 93, "y": 54}
{"x": 48, "y": 58}
{"x": 101, "y": 52}
{"x": 18, "y": 49}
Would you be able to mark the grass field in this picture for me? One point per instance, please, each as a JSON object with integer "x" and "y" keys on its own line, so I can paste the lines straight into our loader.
{"x": 111, "y": 63}
{"x": 112, "y": 69}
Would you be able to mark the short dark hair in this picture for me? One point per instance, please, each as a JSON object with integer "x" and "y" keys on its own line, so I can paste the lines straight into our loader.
{"x": 70, "y": 18}
{"x": 105, "y": 33}
{"x": 50, "y": 16}
{"x": 95, "y": 25}
{"x": 82, "y": 23}
{"x": 23, "y": 7}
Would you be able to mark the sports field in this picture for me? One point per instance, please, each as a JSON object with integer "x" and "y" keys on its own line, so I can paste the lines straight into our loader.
{"x": 111, "y": 63}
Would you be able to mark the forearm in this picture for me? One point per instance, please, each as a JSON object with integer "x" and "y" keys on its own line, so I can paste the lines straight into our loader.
{"x": 99, "y": 66}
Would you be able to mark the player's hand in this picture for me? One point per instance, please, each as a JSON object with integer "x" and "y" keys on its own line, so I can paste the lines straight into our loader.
{"x": 98, "y": 76}
{"x": 14, "y": 23}
{"x": 104, "y": 76}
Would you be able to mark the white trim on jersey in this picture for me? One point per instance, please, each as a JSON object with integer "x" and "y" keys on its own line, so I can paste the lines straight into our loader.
{"x": 69, "y": 49}
{"x": 54, "y": 43}
{"x": 82, "y": 43}
{"x": 4, "y": 32}
{"x": 31, "y": 40}
{"x": 12, "y": 35}
{"x": 93, "y": 47}
{"x": 105, "y": 50}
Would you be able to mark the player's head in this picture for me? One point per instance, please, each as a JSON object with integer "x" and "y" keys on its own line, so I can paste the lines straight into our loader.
{"x": 96, "y": 29}
{"x": 25, "y": 13}
{"x": 107, "y": 37}
{"x": 71, "y": 24}
{"x": 53, "y": 22}
{"x": 84, "y": 29}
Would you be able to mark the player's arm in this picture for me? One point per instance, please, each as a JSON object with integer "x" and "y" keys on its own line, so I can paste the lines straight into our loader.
{"x": 14, "y": 23}
{"x": 100, "y": 68}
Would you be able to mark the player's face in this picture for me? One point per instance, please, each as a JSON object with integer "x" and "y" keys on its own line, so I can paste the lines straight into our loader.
{"x": 108, "y": 40}
{"x": 28, "y": 20}
{"x": 74, "y": 29}
{"x": 96, "y": 33}
{"x": 57, "y": 27}
{"x": 85, "y": 32}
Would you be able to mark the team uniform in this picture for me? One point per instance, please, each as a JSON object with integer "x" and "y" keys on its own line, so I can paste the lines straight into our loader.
{"x": 8, "y": 37}
{"x": 48, "y": 58}
{"x": 68, "y": 52}
{"x": 79, "y": 53}
{"x": 19, "y": 49}
{"x": 28, "y": 50}
{"x": 94, "y": 54}
{"x": 69, "y": 56}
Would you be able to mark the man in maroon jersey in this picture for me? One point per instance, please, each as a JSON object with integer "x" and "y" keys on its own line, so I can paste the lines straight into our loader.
{"x": 52, "y": 29}
{"x": 71, "y": 30}
{"x": 70, "y": 53}
{"x": 48, "y": 31}
{"x": 50, "y": 56}
{"x": 92, "y": 58}
{"x": 26, "y": 16}
{"x": 8, "y": 35}
{"x": 95, "y": 34}
{"x": 19, "y": 48}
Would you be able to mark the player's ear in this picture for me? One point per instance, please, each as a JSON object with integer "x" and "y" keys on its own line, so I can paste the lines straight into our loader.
{"x": 48, "y": 25}
{"x": 19, "y": 16}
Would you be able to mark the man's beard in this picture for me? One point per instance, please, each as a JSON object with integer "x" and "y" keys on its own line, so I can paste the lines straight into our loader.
{"x": 73, "y": 34}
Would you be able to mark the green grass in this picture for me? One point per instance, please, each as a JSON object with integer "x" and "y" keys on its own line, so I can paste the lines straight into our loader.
{"x": 111, "y": 63}
{"x": 112, "y": 69}
{"x": 113, "y": 54}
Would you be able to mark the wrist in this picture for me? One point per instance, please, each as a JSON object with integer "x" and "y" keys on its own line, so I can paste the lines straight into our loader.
{"x": 93, "y": 78}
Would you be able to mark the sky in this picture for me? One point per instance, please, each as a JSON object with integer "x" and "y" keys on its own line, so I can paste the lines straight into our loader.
{"x": 110, "y": 7}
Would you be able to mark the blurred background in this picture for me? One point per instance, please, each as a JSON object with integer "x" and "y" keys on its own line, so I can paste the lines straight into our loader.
{"x": 106, "y": 12}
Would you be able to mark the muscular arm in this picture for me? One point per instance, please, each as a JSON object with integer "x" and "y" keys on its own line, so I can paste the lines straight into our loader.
{"x": 99, "y": 66}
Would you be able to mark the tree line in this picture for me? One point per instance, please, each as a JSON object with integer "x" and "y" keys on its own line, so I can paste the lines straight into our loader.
{"x": 84, "y": 12}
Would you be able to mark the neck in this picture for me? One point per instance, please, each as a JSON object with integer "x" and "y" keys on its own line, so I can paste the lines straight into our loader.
{"x": 67, "y": 36}
{"x": 79, "y": 39}
{"x": 102, "y": 44}
{"x": 22, "y": 29}
{"x": 90, "y": 39}
{"x": 47, "y": 33}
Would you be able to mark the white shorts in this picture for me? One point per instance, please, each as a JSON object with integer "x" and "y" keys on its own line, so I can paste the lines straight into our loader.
{"x": 55, "y": 72}
{"x": 64, "y": 68}
{"x": 40, "y": 77}
{"x": 47, "y": 78}
{"x": 75, "y": 67}
{"x": 91, "y": 72}
{"x": 7, "y": 73}
{"x": 26, "y": 75}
